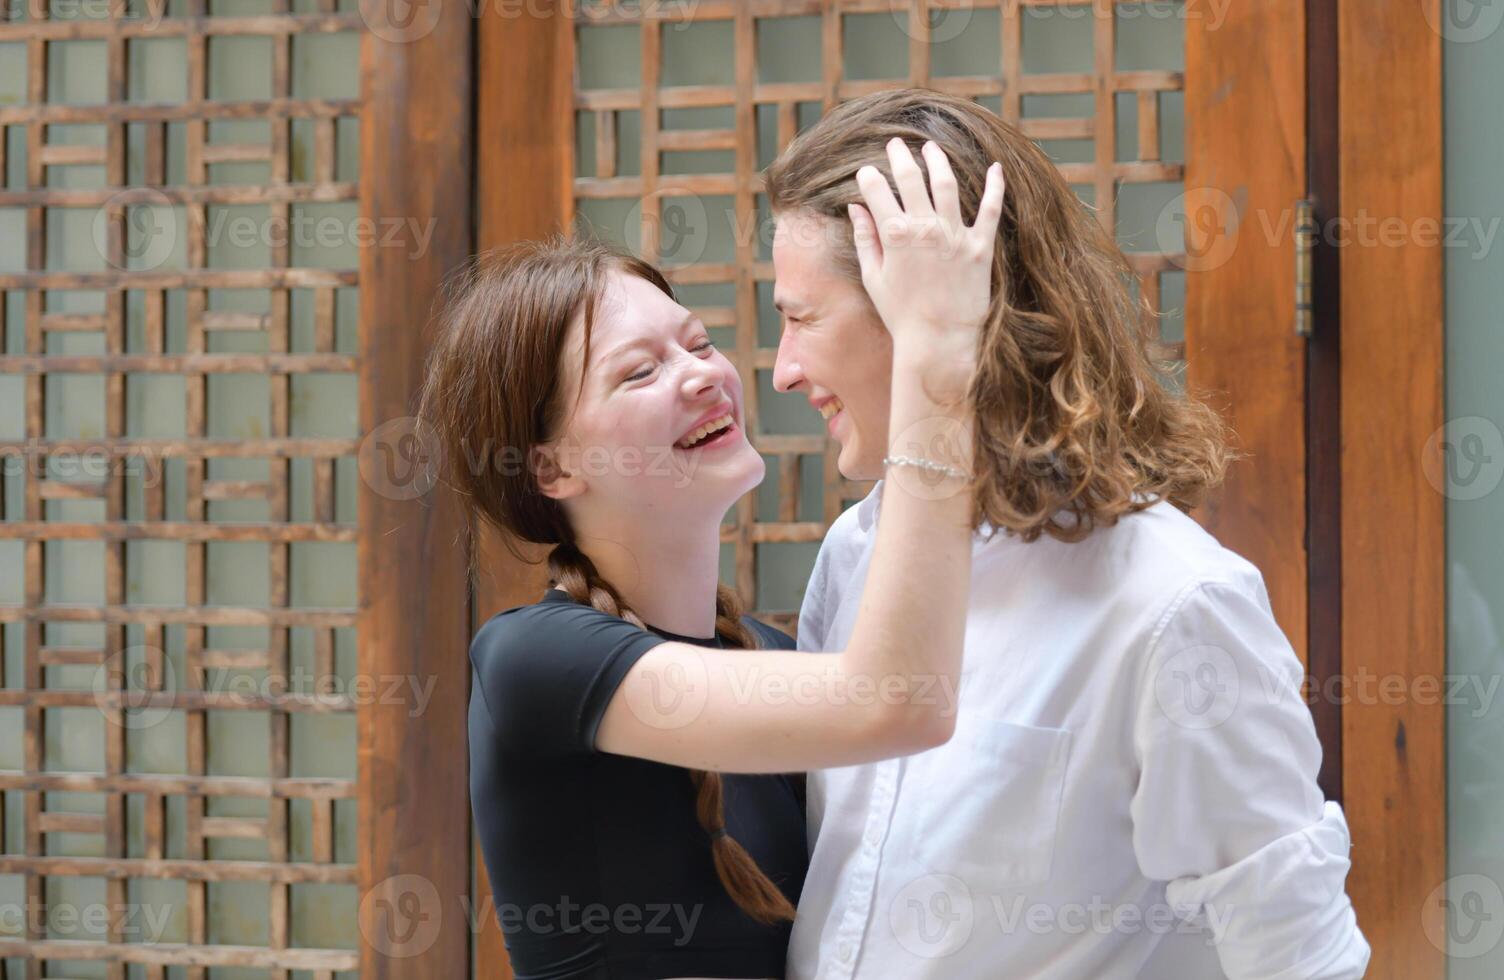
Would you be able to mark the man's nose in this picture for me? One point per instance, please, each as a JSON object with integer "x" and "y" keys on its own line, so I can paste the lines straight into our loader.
{"x": 786, "y": 373}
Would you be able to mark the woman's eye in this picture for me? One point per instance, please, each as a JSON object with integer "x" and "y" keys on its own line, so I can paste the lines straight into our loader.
{"x": 704, "y": 345}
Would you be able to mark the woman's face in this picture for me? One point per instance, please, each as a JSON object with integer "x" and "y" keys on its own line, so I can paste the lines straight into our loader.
{"x": 654, "y": 381}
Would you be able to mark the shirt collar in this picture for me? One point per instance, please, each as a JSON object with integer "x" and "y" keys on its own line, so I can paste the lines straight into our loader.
{"x": 866, "y": 511}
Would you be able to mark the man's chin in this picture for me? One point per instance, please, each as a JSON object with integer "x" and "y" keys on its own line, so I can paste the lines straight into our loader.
{"x": 853, "y": 467}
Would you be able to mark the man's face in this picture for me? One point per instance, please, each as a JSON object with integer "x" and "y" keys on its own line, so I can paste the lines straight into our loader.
{"x": 834, "y": 347}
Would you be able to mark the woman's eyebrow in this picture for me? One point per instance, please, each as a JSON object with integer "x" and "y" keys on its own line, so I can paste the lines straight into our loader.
{"x": 631, "y": 345}
{"x": 624, "y": 348}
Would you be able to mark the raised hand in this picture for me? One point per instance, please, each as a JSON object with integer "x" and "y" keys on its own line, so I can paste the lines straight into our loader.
{"x": 928, "y": 274}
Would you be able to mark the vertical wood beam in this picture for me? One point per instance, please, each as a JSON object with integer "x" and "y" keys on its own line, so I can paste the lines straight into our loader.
{"x": 413, "y": 805}
{"x": 1393, "y": 521}
{"x": 524, "y": 189}
{"x": 1245, "y": 117}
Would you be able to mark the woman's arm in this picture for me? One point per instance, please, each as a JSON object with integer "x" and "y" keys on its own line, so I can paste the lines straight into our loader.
{"x": 893, "y": 690}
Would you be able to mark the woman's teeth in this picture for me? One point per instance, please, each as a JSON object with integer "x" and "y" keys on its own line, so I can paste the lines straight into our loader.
{"x": 830, "y": 408}
{"x": 705, "y": 430}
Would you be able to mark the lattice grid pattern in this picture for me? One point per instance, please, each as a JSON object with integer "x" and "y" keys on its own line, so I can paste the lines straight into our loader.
{"x": 687, "y": 131}
{"x": 160, "y": 308}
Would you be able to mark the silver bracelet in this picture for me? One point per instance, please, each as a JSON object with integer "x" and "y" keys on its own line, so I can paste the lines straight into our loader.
{"x": 925, "y": 464}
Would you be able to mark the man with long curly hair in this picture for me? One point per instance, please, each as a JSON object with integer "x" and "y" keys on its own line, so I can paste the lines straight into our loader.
{"x": 1131, "y": 788}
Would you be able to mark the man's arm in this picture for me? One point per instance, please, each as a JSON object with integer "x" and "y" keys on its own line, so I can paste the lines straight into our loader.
{"x": 1227, "y": 809}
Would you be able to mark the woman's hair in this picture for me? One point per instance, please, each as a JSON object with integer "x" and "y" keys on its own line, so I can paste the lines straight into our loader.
{"x": 491, "y": 392}
{"x": 1075, "y": 425}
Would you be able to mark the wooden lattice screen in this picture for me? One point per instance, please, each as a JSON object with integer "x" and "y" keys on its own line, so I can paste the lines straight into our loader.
{"x": 157, "y": 297}
{"x": 668, "y": 160}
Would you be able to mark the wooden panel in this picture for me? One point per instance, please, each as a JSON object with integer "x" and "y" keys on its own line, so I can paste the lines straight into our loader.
{"x": 414, "y": 814}
{"x": 156, "y": 314}
{"x": 523, "y": 83}
{"x": 1393, "y": 522}
{"x": 1245, "y": 170}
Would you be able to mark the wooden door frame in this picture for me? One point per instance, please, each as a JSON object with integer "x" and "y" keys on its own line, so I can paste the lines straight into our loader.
{"x": 1242, "y": 182}
{"x": 1393, "y": 531}
{"x": 1373, "y": 582}
{"x": 413, "y": 797}
{"x": 525, "y": 179}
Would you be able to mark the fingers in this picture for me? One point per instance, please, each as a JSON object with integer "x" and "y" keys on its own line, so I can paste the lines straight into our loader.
{"x": 990, "y": 210}
{"x": 943, "y": 183}
{"x": 869, "y": 249}
{"x": 910, "y": 181}
{"x": 881, "y": 206}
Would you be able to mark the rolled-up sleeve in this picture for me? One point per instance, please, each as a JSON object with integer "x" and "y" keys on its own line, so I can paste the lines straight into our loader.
{"x": 1227, "y": 811}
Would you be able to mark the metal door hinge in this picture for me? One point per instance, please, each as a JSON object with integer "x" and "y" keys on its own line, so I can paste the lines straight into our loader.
{"x": 1305, "y": 243}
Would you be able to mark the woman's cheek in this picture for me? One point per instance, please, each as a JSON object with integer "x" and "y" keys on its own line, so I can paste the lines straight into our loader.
{"x": 731, "y": 379}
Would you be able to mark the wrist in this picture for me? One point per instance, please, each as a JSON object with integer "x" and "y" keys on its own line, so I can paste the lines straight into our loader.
{"x": 934, "y": 374}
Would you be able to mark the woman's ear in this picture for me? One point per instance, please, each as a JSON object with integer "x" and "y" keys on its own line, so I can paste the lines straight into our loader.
{"x": 550, "y": 469}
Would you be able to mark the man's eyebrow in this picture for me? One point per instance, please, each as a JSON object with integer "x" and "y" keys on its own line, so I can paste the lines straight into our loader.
{"x": 783, "y": 304}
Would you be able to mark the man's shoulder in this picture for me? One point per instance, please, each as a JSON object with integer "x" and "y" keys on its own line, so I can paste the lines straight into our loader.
{"x": 1143, "y": 562}
{"x": 1166, "y": 544}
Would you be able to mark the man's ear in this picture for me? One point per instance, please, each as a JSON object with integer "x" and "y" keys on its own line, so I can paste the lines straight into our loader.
{"x": 555, "y": 479}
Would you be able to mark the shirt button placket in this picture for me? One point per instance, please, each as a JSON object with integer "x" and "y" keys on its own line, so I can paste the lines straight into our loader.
{"x": 863, "y": 878}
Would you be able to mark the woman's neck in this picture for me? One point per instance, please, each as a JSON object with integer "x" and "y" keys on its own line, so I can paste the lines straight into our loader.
{"x": 668, "y": 576}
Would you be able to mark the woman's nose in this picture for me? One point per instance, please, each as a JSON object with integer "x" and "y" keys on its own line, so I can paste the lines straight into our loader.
{"x": 699, "y": 376}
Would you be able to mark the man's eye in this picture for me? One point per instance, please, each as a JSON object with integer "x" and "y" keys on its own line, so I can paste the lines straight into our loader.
{"x": 640, "y": 374}
{"x": 704, "y": 345}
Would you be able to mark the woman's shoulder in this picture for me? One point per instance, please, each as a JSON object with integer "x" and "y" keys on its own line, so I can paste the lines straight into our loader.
{"x": 772, "y": 637}
{"x": 554, "y": 615}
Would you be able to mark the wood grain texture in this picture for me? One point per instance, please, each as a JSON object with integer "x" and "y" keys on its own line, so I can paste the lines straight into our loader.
{"x": 413, "y": 808}
{"x": 524, "y": 126}
{"x": 1245, "y": 170}
{"x": 1393, "y": 521}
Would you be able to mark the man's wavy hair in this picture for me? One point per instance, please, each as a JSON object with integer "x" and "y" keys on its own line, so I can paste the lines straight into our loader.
{"x": 1075, "y": 422}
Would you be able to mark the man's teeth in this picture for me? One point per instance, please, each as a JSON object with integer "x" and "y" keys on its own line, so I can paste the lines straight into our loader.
{"x": 830, "y": 408}
{"x": 704, "y": 431}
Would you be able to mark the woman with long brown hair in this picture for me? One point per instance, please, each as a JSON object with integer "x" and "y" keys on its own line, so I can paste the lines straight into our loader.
{"x": 580, "y": 406}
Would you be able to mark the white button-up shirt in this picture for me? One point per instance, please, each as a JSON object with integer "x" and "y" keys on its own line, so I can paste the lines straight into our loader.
{"x": 1130, "y": 791}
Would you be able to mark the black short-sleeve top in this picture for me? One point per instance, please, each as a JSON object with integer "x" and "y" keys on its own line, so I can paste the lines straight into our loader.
{"x": 598, "y": 865}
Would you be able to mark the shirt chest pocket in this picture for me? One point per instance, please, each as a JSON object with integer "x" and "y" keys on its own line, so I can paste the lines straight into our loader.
{"x": 989, "y": 802}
